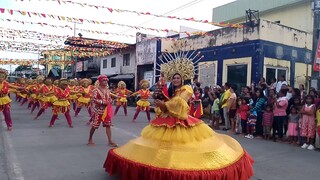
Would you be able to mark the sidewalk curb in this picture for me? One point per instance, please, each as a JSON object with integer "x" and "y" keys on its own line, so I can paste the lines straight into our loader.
{"x": 13, "y": 169}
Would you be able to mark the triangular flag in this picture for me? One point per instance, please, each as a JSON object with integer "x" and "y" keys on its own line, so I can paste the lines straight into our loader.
{"x": 2, "y": 10}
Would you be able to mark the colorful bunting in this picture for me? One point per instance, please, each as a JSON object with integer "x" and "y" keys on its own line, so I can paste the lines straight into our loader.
{"x": 111, "y": 10}
{"x": 29, "y": 62}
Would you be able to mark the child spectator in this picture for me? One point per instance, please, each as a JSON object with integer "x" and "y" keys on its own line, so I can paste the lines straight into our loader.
{"x": 238, "y": 117}
{"x": 307, "y": 123}
{"x": 215, "y": 112}
{"x": 251, "y": 124}
{"x": 267, "y": 122}
{"x": 293, "y": 125}
{"x": 244, "y": 108}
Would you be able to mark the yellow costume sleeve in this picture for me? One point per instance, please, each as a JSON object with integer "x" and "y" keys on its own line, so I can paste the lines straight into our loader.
{"x": 178, "y": 106}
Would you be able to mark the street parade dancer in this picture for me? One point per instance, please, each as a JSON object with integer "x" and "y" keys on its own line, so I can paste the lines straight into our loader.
{"x": 84, "y": 100}
{"x": 122, "y": 92}
{"x": 36, "y": 90}
{"x": 31, "y": 92}
{"x": 143, "y": 104}
{"x": 4, "y": 97}
{"x": 176, "y": 145}
{"x": 61, "y": 105}
{"x": 47, "y": 96}
{"x": 23, "y": 92}
{"x": 102, "y": 109}
{"x": 74, "y": 95}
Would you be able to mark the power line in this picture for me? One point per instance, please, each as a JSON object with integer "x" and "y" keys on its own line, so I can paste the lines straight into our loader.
{"x": 191, "y": 3}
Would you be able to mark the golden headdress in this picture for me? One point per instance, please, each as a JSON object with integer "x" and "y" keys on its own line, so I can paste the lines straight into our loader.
{"x": 40, "y": 77}
{"x": 86, "y": 80}
{"x": 63, "y": 81}
{"x": 120, "y": 83}
{"x": 3, "y": 73}
{"x": 144, "y": 82}
{"x": 182, "y": 63}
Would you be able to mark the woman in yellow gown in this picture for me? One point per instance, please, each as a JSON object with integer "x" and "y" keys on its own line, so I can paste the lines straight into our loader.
{"x": 178, "y": 146}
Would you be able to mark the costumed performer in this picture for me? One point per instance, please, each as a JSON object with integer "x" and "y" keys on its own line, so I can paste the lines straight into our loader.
{"x": 178, "y": 146}
{"x": 31, "y": 92}
{"x": 102, "y": 109}
{"x": 74, "y": 95}
{"x": 61, "y": 105}
{"x": 122, "y": 92}
{"x": 4, "y": 98}
{"x": 36, "y": 89}
{"x": 196, "y": 109}
{"x": 84, "y": 100}
{"x": 23, "y": 92}
{"x": 47, "y": 96}
{"x": 143, "y": 104}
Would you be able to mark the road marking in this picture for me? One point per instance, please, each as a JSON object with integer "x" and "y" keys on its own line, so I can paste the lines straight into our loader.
{"x": 12, "y": 163}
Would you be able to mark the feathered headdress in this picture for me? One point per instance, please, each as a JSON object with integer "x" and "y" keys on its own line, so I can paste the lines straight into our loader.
{"x": 181, "y": 62}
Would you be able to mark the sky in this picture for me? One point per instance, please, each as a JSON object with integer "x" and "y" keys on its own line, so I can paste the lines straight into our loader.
{"x": 198, "y": 9}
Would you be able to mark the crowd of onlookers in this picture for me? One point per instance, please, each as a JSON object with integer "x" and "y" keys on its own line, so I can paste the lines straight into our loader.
{"x": 273, "y": 111}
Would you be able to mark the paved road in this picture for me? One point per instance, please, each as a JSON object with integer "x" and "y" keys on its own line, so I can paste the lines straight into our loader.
{"x": 36, "y": 152}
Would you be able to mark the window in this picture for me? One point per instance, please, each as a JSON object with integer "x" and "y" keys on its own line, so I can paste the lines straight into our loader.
{"x": 113, "y": 62}
{"x": 237, "y": 75}
{"x": 104, "y": 63}
{"x": 275, "y": 72}
{"x": 126, "y": 60}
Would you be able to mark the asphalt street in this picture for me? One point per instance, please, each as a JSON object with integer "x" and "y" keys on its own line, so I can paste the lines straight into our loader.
{"x": 32, "y": 151}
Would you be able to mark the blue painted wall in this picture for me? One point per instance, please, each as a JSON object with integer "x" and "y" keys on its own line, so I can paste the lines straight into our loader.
{"x": 257, "y": 50}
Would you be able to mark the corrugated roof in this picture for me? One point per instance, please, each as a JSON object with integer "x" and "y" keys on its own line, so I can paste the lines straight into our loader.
{"x": 236, "y": 9}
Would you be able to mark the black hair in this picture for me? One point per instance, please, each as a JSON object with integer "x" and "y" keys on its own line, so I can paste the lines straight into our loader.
{"x": 309, "y": 96}
{"x": 172, "y": 89}
{"x": 198, "y": 84}
{"x": 261, "y": 93}
{"x": 270, "y": 106}
{"x": 246, "y": 99}
{"x": 227, "y": 84}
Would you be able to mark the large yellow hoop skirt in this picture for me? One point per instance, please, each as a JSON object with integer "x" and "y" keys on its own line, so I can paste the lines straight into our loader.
{"x": 170, "y": 148}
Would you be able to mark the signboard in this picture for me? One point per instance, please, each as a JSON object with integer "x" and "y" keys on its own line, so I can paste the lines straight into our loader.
{"x": 148, "y": 75}
{"x": 316, "y": 62}
{"x": 79, "y": 67}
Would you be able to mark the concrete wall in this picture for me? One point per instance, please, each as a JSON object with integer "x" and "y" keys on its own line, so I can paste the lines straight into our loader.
{"x": 293, "y": 13}
{"x": 273, "y": 32}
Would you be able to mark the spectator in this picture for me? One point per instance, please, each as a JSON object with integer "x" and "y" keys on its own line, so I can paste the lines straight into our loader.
{"x": 224, "y": 106}
{"x": 215, "y": 112}
{"x": 279, "y": 112}
{"x": 258, "y": 109}
{"x": 303, "y": 92}
{"x": 307, "y": 123}
{"x": 232, "y": 106}
{"x": 273, "y": 84}
{"x": 267, "y": 122}
{"x": 207, "y": 100}
{"x": 282, "y": 81}
{"x": 293, "y": 126}
{"x": 244, "y": 108}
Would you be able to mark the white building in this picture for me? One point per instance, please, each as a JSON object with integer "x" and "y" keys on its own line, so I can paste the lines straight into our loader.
{"x": 120, "y": 66}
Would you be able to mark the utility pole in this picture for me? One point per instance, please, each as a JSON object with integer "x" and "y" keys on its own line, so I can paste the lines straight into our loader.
{"x": 316, "y": 28}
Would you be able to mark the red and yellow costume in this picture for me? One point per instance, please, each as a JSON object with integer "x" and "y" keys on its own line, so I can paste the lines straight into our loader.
{"x": 36, "y": 90}
{"x": 196, "y": 109}
{"x": 61, "y": 105}
{"x": 143, "y": 104}
{"x": 47, "y": 96}
{"x": 5, "y": 99}
{"x": 23, "y": 92}
{"x": 122, "y": 93}
{"x": 176, "y": 145}
{"x": 102, "y": 108}
{"x": 84, "y": 99}
{"x": 74, "y": 95}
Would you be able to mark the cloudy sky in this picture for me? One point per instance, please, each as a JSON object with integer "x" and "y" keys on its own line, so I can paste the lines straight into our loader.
{"x": 198, "y": 9}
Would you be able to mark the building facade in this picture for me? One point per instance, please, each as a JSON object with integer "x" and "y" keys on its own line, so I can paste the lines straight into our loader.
{"x": 242, "y": 56}
{"x": 292, "y": 13}
{"x": 120, "y": 66}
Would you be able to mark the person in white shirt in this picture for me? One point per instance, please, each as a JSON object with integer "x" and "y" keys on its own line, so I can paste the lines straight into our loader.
{"x": 282, "y": 81}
